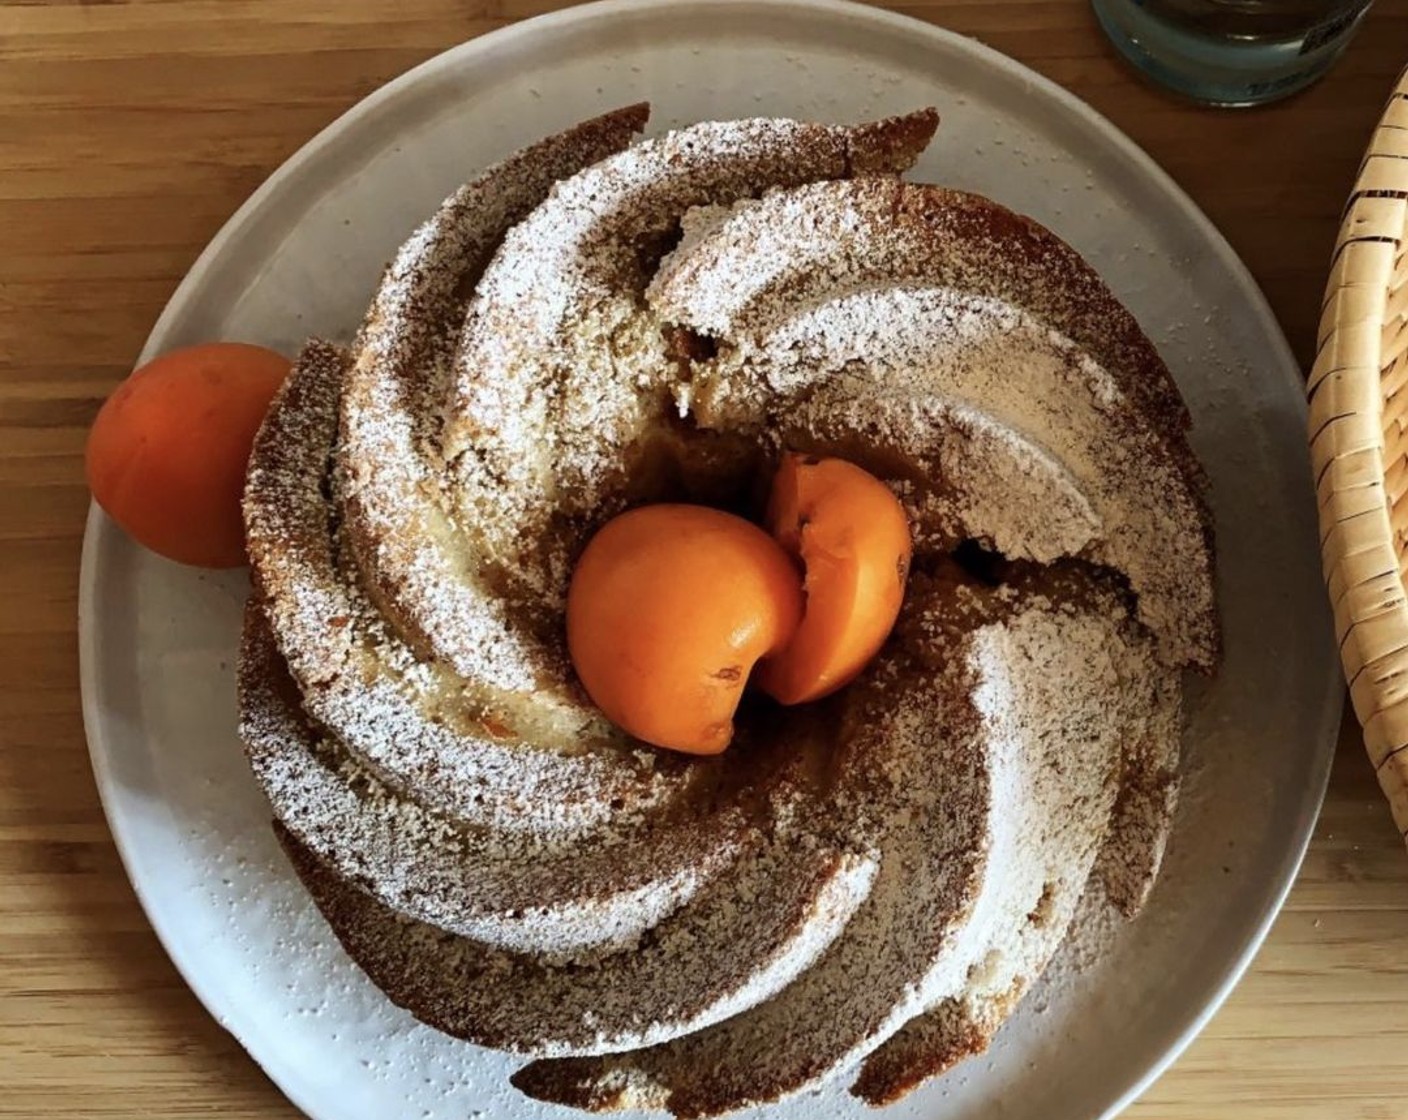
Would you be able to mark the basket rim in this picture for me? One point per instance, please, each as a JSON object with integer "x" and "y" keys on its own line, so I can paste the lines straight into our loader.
{"x": 1358, "y": 482}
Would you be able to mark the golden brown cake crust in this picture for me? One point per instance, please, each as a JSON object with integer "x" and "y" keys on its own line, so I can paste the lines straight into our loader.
{"x": 402, "y": 352}
{"x": 868, "y": 885}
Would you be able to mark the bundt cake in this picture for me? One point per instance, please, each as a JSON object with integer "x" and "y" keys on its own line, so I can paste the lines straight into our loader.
{"x": 863, "y": 885}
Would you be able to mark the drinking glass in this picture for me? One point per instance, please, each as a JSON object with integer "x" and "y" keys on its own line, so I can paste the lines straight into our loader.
{"x": 1231, "y": 52}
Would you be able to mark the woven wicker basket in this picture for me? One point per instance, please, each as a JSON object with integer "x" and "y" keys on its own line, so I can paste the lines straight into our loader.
{"x": 1359, "y": 446}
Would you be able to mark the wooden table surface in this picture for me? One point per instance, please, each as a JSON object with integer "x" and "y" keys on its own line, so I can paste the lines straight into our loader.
{"x": 129, "y": 131}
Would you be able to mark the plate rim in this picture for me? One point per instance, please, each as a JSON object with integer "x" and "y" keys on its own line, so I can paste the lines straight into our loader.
{"x": 97, "y": 527}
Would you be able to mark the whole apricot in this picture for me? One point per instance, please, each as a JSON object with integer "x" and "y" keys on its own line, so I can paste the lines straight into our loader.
{"x": 167, "y": 454}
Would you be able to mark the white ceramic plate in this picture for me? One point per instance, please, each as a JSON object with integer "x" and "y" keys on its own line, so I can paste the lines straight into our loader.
{"x": 301, "y": 257}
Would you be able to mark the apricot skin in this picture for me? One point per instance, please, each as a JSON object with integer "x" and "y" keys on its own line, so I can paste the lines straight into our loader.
{"x": 167, "y": 454}
{"x": 853, "y": 540}
{"x": 669, "y": 608}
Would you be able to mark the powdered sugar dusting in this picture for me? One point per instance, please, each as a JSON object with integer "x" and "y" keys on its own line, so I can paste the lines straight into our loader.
{"x": 989, "y": 813}
{"x": 411, "y": 549}
{"x": 879, "y": 297}
{"x": 416, "y": 727}
{"x": 562, "y": 366}
{"x": 864, "y": 888}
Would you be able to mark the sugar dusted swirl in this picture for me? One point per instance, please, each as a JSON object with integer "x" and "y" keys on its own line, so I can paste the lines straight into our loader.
{"x": 590, "y": 325}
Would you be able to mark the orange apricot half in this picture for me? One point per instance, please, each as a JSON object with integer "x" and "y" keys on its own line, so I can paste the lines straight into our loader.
{"x": 853, "y": 540}
{"x": 669, "y": 608}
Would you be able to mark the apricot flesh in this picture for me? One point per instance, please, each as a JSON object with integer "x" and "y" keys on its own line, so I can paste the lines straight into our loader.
{"x": 852, "y": 537}
{"x": 668, "y": 610}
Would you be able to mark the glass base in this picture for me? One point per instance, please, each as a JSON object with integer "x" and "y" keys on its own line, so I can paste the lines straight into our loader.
{"x": 1215, "y": 71}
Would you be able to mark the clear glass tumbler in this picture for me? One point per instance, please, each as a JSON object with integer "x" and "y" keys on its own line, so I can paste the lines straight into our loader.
{"x": 1231, "y": 52}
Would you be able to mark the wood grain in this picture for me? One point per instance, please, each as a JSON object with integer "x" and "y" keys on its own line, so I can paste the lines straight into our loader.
{"x": 130, "y": 131}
